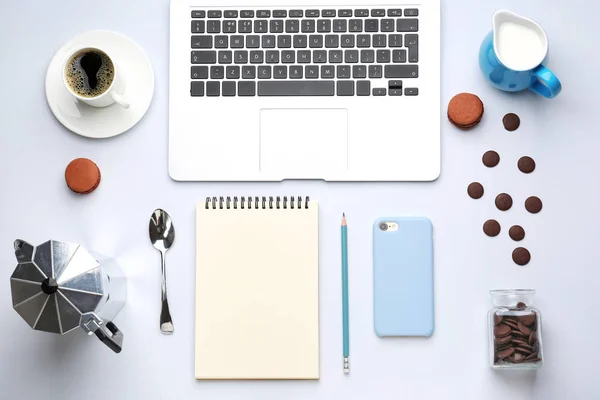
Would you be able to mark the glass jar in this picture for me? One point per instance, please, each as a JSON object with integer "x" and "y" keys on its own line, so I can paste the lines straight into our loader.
{"x": 515, "y": 330}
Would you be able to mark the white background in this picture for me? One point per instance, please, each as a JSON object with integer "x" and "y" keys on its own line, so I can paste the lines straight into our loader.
{"x": 561, "y": 135}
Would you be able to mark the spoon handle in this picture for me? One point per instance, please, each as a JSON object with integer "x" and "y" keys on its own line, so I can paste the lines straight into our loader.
{"x": 166, "y": 322}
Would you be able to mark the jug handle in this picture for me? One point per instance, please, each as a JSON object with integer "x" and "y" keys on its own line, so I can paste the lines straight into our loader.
{"x": 547, "y": 83}
{"x": 114, "y": 339}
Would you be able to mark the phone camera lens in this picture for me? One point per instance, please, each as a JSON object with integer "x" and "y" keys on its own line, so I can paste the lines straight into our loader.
{"x": 383, "y": 226}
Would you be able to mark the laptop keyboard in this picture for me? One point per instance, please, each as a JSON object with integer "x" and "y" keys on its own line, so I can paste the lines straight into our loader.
{"x": 310, "y": 52}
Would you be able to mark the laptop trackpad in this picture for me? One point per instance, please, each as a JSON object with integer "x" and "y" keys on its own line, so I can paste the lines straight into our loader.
{"x": 303, "y": 143}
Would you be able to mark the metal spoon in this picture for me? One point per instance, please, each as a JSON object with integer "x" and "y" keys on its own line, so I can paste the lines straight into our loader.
{"x": 162, "y": 235}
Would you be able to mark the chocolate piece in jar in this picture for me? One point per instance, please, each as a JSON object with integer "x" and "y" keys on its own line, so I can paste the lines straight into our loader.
{"x": 527, "y": 320}
{"x": 511, "y": 323}
{"x": 531, "y": 339}
{"x": 502, "y": 330}
{"x": 505, "y": 353}
{"x": 497, "y": 319}
{"x": 524, "y": 330}
{"x": 521, "y": 306}
{"x": 503, "y": 340}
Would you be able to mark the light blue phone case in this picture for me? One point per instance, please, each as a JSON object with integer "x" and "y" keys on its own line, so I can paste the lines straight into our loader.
{"x": 403, "y": 278}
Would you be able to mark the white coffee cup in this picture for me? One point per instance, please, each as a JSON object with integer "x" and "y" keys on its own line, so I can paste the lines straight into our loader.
{"x": 112, "y": 94}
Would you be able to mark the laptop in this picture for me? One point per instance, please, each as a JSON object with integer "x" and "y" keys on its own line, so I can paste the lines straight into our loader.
{"x": 291, "y": 89}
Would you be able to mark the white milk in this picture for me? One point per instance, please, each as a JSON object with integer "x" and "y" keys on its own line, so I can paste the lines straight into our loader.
{"x": 520, "y": 43}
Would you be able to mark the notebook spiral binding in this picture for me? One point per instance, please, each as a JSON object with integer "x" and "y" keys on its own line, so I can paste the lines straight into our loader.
{"x": 256, "y": 202}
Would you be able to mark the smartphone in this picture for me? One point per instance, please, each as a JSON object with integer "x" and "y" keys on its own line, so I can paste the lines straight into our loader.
{"x": 403, "y": 277}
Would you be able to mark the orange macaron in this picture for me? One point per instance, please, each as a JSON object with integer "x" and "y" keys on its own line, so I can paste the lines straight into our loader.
{"x": 465, "y": 110}
{"x": 82, "y": 176}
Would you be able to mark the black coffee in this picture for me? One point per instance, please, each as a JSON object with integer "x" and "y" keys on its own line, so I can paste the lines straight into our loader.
{"x": 89, "y": 73}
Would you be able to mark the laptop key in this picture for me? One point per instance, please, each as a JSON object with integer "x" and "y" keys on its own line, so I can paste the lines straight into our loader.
{"x": 363, "y": 88}
{"x": 199, "y": 72}
{"x": 343, "y": 71}
{"x": 272, "y": 56}
{"x": 411, "y": 12}
{"x": 247, "y": 88}
{"x": 328, "y": 13}
{"x": 307, "y": 26}
{"x": 197, "y": 88}
{"x": 399, "y": 56}
{"x": 198, "y": 14}
{"x": 311, "y": 71}
{"x": 237, "y": 42}
{"x": 324, "y": 25}
{"x": 264, "y": 72}
{"x": 213, "y": 26}
{"x": 248, "y": 72}
{"x": 340, "y": 25}
{"x": 263, "y": 14}
{"x": 280, "y": 72}
{"x": 345, "y": 13}
{"x": 279, "y": 13}
{"x": 363, "y": 40}
{"x": 401, "y": 71}
{"x": 356, "y": 25}
{"x": 387, "y": 25}
{"x": 345, "y": 88}
{"x": 312, "y": 13}
{"x": 217, "y": 72}
{"x": 253, "y": 41}
{"x": 214, "y": 14}
{"x": 296, "y": 72}
{"x": 228, "y": 88}
{"x": 378, "y": 13}
{"x": 197, "y": 26}
{"x": 407, "y": 25}
{"x": 260, "y": 26}
{"x": 288, "y": 56}
{"x": 315, "y": 41}
{"x": 256, "y": 57}
{"x": 383, "y": 56}
{"x": 296, "y": 14}
{"x": 284, "y": 41}
{"x": 225, "y": 57}
{"x": 327, "y": 72}
{"x": 367, "y": 56}
{"x": 361, "y": 13}
{"x": 276, "y": 26}
{"x": 371, "y": 25}
{"x": 230, "y": 14}
{"x": 394, "y": 12}
{"x": 247, "y": 14}
{"x": 213, "y": 89}
{"x": 201, "y": 42}
{"x": 319, "y": 56}
{"x": 221, "y": 42}
{"x": 296, "y": 88}
{"x": 351, "y": 56}
{"x": 268, "y": 41}
{"x": 359, "y": 71}
{"x": 204, "y": 57}
{"x": 395, "y": 40}
{"x": 240, "y": 57}
{"x": 375, "y": 71}
{"x": 232, "y": 72}
{"x": 347, "y": 40}
{"x": 379, "y": 41}
{"x": 303, "y": 56}
{"x": 332, "y": 41}
{"x": 412, "y": 42}
{"x": 379, "y": 91}
{"x": 292, "y": 26}
{"x": 244, "y": 26}
{"x": 335, "y": 56}
{"x": 300, "y": 41}
{"x": 411, "y": 91}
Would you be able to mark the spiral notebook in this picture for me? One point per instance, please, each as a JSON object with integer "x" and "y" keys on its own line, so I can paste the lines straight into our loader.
{"x": 257, "y": 288}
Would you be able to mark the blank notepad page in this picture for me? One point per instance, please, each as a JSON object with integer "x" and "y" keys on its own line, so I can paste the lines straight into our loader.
{"x": 257, "y": 291}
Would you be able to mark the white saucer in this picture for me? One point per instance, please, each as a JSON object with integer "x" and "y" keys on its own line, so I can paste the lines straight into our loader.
{"x": 109, "y": 121}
